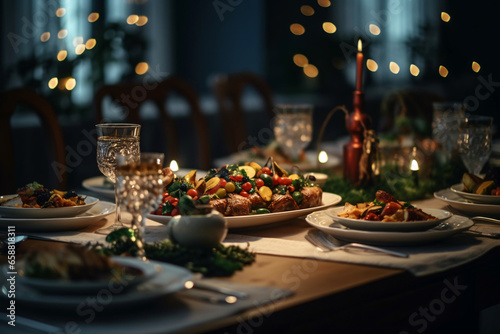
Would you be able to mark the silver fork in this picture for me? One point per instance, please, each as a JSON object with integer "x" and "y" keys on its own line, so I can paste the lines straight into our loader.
{"x": 320, "y": 240}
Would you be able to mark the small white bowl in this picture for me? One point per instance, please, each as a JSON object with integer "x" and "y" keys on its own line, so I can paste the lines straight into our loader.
{"x": 320, "y": 178}
{"x": 202, "y": 231}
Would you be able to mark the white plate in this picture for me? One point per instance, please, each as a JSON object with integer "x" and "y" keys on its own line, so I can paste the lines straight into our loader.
{"x": 454, "y": 225}
{"x": 99, "y": 185}
{"x": 463, "y": 205}
{"x": 329, "y": 199}
{"x": 486, "y": 199}
{"x": 67, "y": 211}
{"x": 99, "y": 211}
{"x": 172, "y": 278}
{"x": 308, "y": 165}
{"x": 368, "y": 225}
{"x": 54, "y": 286}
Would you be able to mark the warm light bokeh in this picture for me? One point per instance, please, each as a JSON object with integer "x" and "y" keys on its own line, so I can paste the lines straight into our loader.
{"x": 132, "y": 19}
{"x": 445, "y": 17}
{"x": 393, "y": 67}
{"x": 141, "y": 68}
{"x": 174, "y": 167}
{"x": 414, "y": 70}
{"x": 311, "y": 71}
{"x": 70, "y": 84}
{"x": 53, "y": 83}
{"x": 324, "y": 3}
{"x": 93, "y": 17}
{"x": 329, "y": 27}
{"x": 476, "y": 67}
{"x": 45, "y": 36}
{"x": 90, "y": 43}
{"x": 80, "y": 48}
{"x": 62, "y": 33}
{"x": 61, "y": 55}
{"x": 371, "y": 65}
{"x": 60, "y": 12}
{"x": 323, "y": 157}
{"x": 297, "y": 29}
{"x": 374, "y": 29}
{"x": 443, "y": 71}
{"x": 300, "y": 60}
{"x": 307, "y": 10}
{"x": 142, "y": 21}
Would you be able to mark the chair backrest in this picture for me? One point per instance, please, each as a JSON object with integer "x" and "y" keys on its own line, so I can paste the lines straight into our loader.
{"x": 11, "y": 99}
{"x": 228, "y": 91}
{"x": 131, "y": 96}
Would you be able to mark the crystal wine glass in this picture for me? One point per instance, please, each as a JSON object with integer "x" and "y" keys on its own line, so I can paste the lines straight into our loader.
{"x": 139, "y": 186}
{"x": 474, "y": 141}
{"x": 113, "y": 139}
{"x": 445, "y": 122}
{"x": 293, "y": 128}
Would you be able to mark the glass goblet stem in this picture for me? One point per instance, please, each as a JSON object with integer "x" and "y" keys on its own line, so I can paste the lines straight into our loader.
{"x": 138, "y": 226}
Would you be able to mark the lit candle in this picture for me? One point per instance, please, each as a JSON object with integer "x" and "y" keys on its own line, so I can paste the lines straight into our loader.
{"x": 359, "y": 73}
{"x": 414, "y": 167}
{"x": 173, "y": 166}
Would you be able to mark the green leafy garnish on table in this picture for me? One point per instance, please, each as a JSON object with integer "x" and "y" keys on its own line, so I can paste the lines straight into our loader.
{"x": 218, "y": 261}
{"x": 401, "y": 186}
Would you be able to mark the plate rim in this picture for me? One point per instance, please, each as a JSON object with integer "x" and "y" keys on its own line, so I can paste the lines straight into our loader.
{"x": 399, "y": 226}
{"x": 482, "y": 199}
{"x": 393, "y": 238}
{"x": 28, "y": 212}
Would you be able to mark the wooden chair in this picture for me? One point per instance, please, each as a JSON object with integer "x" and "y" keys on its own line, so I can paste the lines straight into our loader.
{"x": 9, "y": 100}
{"x": 131, "y": 96}
{"x": 228, "y": 90}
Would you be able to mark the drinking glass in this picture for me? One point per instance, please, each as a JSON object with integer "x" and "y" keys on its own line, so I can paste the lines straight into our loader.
{"x": 293, "y": 128}
{"x": 445, "y": 122}
{"x": 139, "y": 186}
{"x": 113, "y": 139}
{"x": 474, "y": 141}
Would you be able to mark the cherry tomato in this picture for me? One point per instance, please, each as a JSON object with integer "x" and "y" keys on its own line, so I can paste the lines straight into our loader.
{"x": 244, "y": 193}
{"x": 174, "y": 212}
{"x": 266, "y": 170}
{"x": 390, "y": 209}
{"x": 192, "y": 192}
{"x": 230, "y": 187}
{"x": 285, "y": 181}
{"x": 223, "y": 183}
{"x": 371, "y": 216}
{"x": 291, "y": 189}
{"x": 246, "y": 186}
{"x": 259, "y": 182}
{"x": 239, "y": 177}
{"x": 276, "y": 179}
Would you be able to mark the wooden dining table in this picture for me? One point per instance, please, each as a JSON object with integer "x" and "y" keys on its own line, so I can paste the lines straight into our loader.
{"x": 352, "y": 298}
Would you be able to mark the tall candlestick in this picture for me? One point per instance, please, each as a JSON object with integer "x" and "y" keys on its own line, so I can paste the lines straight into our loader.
{"x": 359, "y": 72}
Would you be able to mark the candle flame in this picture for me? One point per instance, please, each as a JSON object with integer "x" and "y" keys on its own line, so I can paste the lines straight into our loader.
{"x": 360, "y": 46}
{"x": 414, "y": 165}
{"x": 174, "y": 166}
{"x": 323, "y": 157}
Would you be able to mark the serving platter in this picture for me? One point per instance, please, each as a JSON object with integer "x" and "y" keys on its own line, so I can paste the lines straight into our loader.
{"x": 454, "y": 225}
{"x": 97, "y": 212}
{"x": 67, "y": 211}
{"x": 234, "y": 222}
{"x": 408, "y": 226}
{"x": 486, "y": 199}
{"x": 464, "y": 205}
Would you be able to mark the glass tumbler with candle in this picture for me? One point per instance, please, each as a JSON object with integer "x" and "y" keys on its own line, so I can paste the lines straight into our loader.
{"x": 139, "y": 186}
{"x": 113, "y": 139}
{"x": 474, "y": 141}
{"x": 293, "y": 128}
